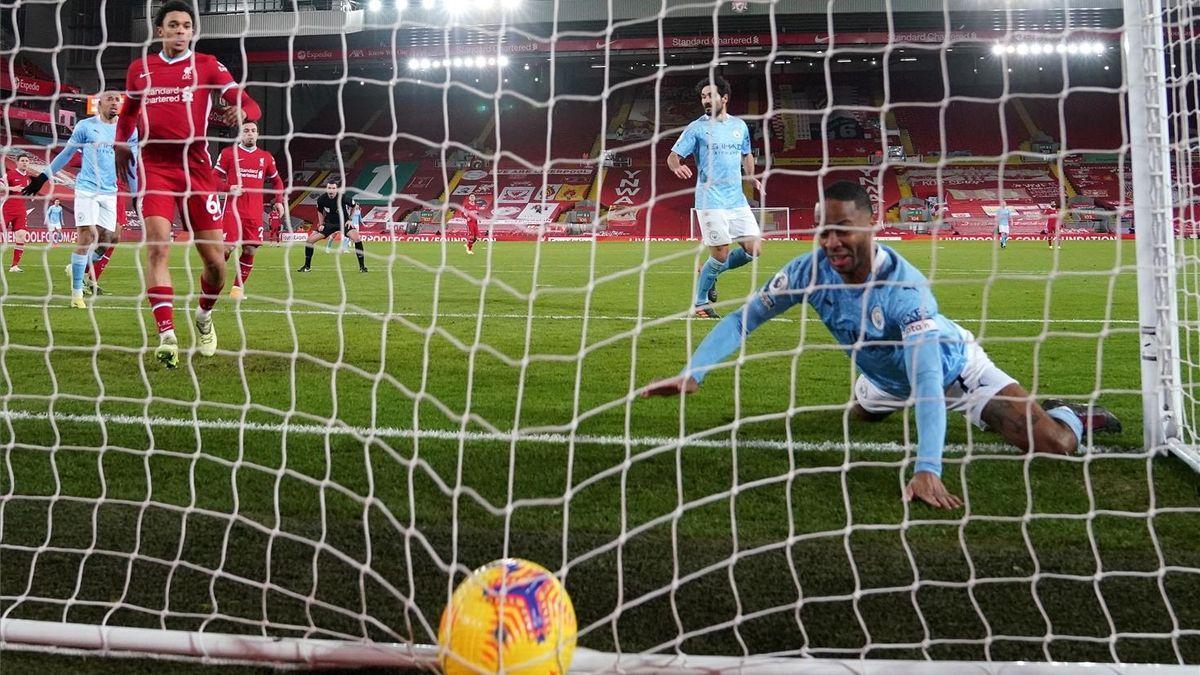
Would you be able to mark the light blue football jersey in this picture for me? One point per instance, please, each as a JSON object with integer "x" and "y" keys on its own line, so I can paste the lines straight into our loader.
{"x": 98, "y": 171}
{"x": 719, "y": 147}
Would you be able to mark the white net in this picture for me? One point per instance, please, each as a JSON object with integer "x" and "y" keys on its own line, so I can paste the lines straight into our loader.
{"x": 359, "y": 442}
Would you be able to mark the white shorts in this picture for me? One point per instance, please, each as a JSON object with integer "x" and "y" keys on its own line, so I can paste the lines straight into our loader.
{"x": 96, "y": 210}
{"x": 719, "y": 227}
{"x": 53, "y": 227}
{"x": 978, "y": 383}
{"x": 1003, "y": 229}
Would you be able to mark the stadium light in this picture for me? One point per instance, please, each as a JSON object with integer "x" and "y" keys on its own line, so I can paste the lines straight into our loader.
{"x": 374, "y": 5}
{"x": 510, "y": 4}
{"x": 414, "y": 64}
{"x": 503, "y": 61}
{"x": 997, "y": 49}
{"x": 1023, "y": 49}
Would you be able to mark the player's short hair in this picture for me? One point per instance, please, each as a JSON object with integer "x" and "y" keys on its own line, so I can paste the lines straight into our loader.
{"x": 846, "y": 191}
{"x": 173, "y": 6}
{"x": 717, "y": 81}
{"x": 333, "y": 181}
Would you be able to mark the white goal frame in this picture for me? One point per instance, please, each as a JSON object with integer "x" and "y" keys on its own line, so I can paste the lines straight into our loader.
{"x": 1154, "y": 197}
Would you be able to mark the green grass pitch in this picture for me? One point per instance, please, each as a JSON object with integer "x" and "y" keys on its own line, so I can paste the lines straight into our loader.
{"x": 321, "y": 473}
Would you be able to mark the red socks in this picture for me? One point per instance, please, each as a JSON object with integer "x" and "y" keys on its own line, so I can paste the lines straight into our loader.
{"x": 99, "y": 265}
{"x": 17, "y": 253}
{"x": 245, "y": 267}
{"x": 161, "y": 299}
{"x": 209, "y": 294}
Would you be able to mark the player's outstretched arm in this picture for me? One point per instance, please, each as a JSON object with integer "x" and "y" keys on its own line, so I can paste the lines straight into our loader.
{"x": 727, "y": 337}
{"x": 74, "y": 144}
{"x": 672, "y": 386}
{"x": 923, "y": 358}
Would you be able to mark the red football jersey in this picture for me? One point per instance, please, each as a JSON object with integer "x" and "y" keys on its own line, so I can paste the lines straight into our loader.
{"x": 1052, "y": 223}
{"x": 14, "y": 200}
{"x": 471, "y": 213}
{"x": 176, "y": 97}
{"x": 251, "y": 169}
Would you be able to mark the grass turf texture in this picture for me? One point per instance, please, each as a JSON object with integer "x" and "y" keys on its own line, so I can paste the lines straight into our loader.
{"x": 726, "y": 545}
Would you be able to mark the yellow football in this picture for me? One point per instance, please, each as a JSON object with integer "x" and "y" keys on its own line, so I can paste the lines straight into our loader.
{"x": 510, "y": 616}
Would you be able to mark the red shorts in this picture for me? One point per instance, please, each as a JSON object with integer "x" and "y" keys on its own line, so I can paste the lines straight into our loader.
{"x": 166, "y": 187}
{"x": 15, "y": 217}
{"x": 241, "y": 229}
{"x": 122, "y": 205}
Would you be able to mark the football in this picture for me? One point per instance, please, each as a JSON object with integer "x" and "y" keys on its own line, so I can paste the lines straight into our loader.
{"x": 510, "y": 615}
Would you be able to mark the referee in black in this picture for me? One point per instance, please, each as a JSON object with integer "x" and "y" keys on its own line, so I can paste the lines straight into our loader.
{"x": 334, "y": 208}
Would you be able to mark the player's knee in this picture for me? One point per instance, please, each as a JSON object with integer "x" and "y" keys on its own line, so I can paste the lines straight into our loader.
{"x": 1056, "y": 439}
{"x": 863, "y": 415}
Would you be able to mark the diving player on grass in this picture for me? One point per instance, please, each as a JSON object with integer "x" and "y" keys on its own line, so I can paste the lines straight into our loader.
{"x": 721, "y": 144}
{"x": 168, "y": 104}
{"x": 879, "y": 305}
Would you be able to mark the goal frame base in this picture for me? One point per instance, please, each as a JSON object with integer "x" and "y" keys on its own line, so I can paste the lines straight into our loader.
{"x": 49, "y": 636}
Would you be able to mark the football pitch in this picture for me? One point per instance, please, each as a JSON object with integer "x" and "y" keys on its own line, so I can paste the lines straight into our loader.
{"x": 359, "y": 434}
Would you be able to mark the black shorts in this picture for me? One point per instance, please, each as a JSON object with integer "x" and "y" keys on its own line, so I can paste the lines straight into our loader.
{"x": 330, "y": 229}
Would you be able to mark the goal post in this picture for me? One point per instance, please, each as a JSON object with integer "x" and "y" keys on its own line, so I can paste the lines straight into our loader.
{"x": 1163, "y": 159}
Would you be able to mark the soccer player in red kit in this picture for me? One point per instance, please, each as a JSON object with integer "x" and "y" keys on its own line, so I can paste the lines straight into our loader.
{"x": 275, "y": 224}
{"x": 1052, "y": 228}
{"x": 244, "y": 169}
{"x": 470, "y": 209}
{"x": 14, "y": 210}
{"x": 168, "y": 103}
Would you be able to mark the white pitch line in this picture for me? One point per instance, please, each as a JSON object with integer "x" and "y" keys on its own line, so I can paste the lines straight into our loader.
{"x": 522, "y": 317}
{"x": 545, "y": 438}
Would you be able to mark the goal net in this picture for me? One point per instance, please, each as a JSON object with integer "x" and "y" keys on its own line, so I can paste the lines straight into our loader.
{"x": 313, "y": 492}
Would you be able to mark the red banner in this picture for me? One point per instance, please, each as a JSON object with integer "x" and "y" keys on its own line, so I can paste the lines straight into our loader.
{"x": 12, "y": 112}
{"x": 31, "y": 85}
{"x": 669, "y": 43}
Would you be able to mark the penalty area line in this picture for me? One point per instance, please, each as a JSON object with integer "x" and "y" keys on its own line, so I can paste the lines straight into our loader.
{"x": 342, "y": 430}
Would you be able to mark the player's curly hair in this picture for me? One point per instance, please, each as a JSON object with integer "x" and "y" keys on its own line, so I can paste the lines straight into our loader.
{"x": 173, "y": 6}
{"x": 847, "y": 191}
{"x": 717, "y": 81}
